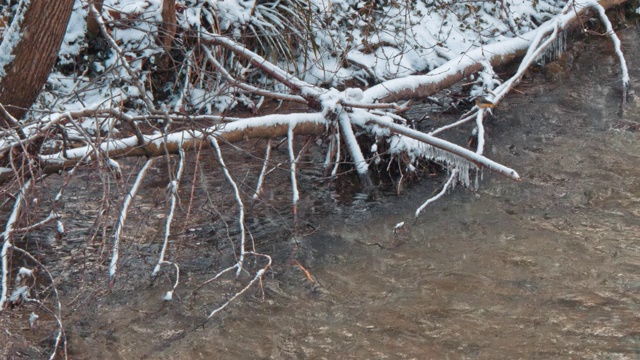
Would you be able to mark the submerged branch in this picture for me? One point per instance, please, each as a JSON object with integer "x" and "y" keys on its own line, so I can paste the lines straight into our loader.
{"x": 6, "y": 238}
{"x": 113, "y": 267}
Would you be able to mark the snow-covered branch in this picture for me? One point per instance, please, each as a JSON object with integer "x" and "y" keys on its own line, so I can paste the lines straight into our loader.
{"x": 616, "y": 46}
{"x": 6, "y": 239}
{"x": 124, "y": 211}
{"x": 173, "y": 193}
{"x": 238, "y": 197}
{"x": 469, "y": 62}
{"x": 294, "y": 182}
{"x": 263, "y": 172}
{"x": 156, "y": 144}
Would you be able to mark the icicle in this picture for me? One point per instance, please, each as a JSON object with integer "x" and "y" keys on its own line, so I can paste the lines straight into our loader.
{"x": 555, "y": 50}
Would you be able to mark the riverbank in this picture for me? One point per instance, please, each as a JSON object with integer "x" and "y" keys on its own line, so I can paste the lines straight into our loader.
{"x": 548, "y": 267}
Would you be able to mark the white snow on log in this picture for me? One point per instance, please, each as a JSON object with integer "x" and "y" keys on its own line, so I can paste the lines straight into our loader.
{"x": 182, "y": 137}
{"x": 504, "y": 47}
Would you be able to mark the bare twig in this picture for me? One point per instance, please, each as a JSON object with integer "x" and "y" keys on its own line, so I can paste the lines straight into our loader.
{"x": 173, "y": 193}
{"x": 294, "y": 183}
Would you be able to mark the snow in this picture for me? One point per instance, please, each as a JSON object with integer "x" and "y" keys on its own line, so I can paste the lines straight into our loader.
{"x": 23, "y": 272}
{"x": 60, "y": 227}
{"x": 11, "y": 36}
{"x": 389, "y": 41}
{"x": 32, "y": 319}
{"x": 343, "y": 49}
{"x": 19, "y": 293}
{"x": 74, "y": 37}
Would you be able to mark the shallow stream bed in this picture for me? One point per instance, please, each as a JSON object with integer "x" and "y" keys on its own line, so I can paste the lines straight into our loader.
{"x": 548, "y": 267}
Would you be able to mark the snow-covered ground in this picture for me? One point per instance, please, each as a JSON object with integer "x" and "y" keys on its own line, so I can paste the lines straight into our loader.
{"x": 322, "y": 42}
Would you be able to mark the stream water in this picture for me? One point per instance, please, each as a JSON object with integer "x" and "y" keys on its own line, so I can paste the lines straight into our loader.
{"x": 548, "y": 267}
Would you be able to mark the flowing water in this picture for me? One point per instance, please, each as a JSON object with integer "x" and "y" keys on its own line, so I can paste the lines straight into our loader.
{"x": 548, "y": 267}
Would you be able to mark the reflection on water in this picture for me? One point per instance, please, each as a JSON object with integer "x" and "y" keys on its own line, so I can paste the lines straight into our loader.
{"x": 546, "y": 268}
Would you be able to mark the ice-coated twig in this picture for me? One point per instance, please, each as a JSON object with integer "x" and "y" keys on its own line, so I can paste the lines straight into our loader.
{"x": 327, "y": 156}
{"x": 336, "y": 165}
{"x": 463, "y": 120}
{"x": 236, "y": 191}
{"x": 216, "y": 277}
{"x": 265, "y": 164}
{"x": 6, "y": 238}
{"x": 173, "y": 192}
{"x": 257, "y": 277}
{"x": 453, "y": 175}
{"x": 294, "y": 183}
{"x": 113, "y": 267}
{"x": 535, "y": 49}
{"x": 480, "y": 131}
{"x": 362, "y": 168}
{"x": 448, "y": 147}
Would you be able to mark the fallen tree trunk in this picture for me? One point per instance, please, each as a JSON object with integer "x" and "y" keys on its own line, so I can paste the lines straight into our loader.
{"x": 453, "y": 71}
{"x": 417, "y": 86}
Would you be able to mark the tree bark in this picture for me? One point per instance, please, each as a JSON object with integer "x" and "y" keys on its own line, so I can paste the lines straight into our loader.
{"x": 167, "y": 31}
{"x": 42, "y": 30}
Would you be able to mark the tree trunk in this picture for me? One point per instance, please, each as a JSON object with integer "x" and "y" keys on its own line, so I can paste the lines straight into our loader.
{"x": 45, "y": 23}
{"x": 166, "y": 34}
{"x": 169, "y": 25}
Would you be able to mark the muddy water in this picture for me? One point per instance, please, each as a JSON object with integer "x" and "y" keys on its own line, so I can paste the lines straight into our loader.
{"x": 544, "y": 268}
